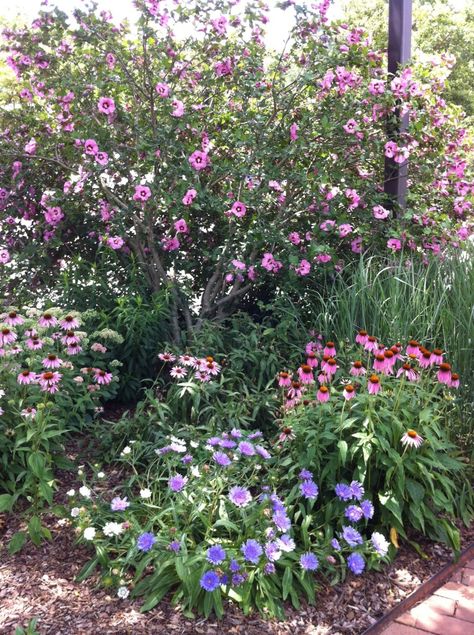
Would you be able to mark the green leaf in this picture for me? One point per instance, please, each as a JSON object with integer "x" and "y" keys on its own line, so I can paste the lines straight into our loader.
{"x": 87, "y": 569}
{"x": 6, "y": 502}
{"x": 342, "y": 445}
{"x": 287, "y": 582}
{"x": 37, "y": 463}
{"x": 34, "y": 529}
{"x": 416, "y": 490}
{"x": 17, "y": 541}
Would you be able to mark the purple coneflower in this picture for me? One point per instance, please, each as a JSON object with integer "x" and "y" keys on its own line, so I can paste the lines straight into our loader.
{"x": 330, "y": 349}
{"x": 454, "y": 383}
{"x": 357, "y": 369}
{"x": 411, "y": 438}
{"x": 361, "y": 337}
{"x": 52, "y": 361}
{"x": 102, "y": 376}
{"x": 349, "y": 392}
{"x": 7, "y": 336}
{"x": 178, "y": 372}
{"x": 373, "y": 385}
{"x": 323, "y": 394}
{"x": 413, "y": 348}
{"x": 167, "y": 357}
{"x": 47, "y": 320}
{"x": 437, "y": 356}
{"x": 26, "y": 377}
{"x": 13, "y": 319}
{"x": 69, "y": 323}
{"x": 371, "y": 343}
{"x": 409, "y": 372}
{"x": 444, "y": 373}
{"x": 305, "y": 374}
{"x": 312, "y": 360}
{"x": 284, "y": 379}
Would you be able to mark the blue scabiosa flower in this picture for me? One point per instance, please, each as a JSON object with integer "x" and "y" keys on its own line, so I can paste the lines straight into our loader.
{"x": 367, "y": 509}
{"x": 174, "y": 546}
{"x": 281, "y": 520}
{"x": 356, "y": 563}
{"x": 269, "y": 568}
{"x": 177, "y": 482}
{"x": 246, "y": 448}
{"x": 237, "y": 579}
{"x": 255, "y": 435}
{"x": 277, "y": 503}
{"x": 353, "y": 513}
{"x": 216, "y": 554}
{"x": 221, "y": 459}
{"x": 308, "y": 561}
{"x": 236, "y": 433}
{"x": 335, "y": 544}
{"x": 379, "y": 543}
{"x": 263, "y": 452}
{"x": 209, "y": 581}
{"x": 343, "y": 492}
{"x": 240, "y": 496}
{"x": 305, "y": 475}
{"x": 228, "y": 444}
{"x": 351, "y": 536}
{"x": 187, "y": 458}
{"x": 234, "y": 566}
{"x": 252, "y": 550}
{"x": 145, "y": 541}
{"x": 214, "y": 441}
{"x": 357, "y": 490}
{"x": 309, "y": 489}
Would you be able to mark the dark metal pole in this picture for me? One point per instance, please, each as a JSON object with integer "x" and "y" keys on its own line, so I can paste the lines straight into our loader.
{"x": 399, "y": 53}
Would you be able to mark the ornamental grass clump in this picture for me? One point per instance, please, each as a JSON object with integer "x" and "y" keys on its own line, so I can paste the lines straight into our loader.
{"x": 379, "y": 414}
{"x": 209, "y": 521}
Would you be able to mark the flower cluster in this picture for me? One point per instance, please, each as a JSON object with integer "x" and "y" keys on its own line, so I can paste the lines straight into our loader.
{"x": 378, "y": 368}
{"x": 203, "y": 369}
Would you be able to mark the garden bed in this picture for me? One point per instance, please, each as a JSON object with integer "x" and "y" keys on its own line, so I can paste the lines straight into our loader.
{"x": 40, "y": 582}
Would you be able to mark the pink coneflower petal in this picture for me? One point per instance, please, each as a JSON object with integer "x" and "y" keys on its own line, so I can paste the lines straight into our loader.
{"x": 305, "y": 374}
{"x": 373, "y": 385}
{"x": 284, "y": 379}
{"x": 454, "y": 383}
{"x": 411, "y": 438}
{"x": 102, "y": 376}
{"x": 69, "y": 323}
{"x": 167, "y": 357}
{"x": 7, "y": 336}
{"x": 349, "y": 392}
{"x": 330, "y": 349}
{"x": 444, "y": 373}
{"x": 178, "y": 372}
{"x": 357, "y": 369}
{"x": 13, "y": 319}
{"x": 323, "y": 394}
{"x": 413, "y": 348}
{"x": 47, "y": 320}
{"x": 52, "y": 361}
{"x": 34, "y": 343}
{"x": 26, "y": 377}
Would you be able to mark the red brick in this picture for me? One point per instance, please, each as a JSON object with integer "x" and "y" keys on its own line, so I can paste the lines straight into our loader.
{"x": 456, "y": 591}
{"x": 443, "y": 624}
{"x": 465, "y": 610}
{"x": 468, "y": 577}
{"x": 406, "y": 618}
{"x": 437, "y": 604}
{"x": 402, "y": 629}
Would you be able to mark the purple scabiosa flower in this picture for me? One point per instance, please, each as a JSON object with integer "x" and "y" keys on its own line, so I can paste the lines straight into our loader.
{"x": 335, "y": 544}
{"x": 367, "y": 509}
{"x": 281, "y": 520}
{"x": 228, "y": 444}
{"x": 177, "y": 482}
{"x": 272, "y": 551}
{"x": 236, "y": 433}
{"x": 356, "y": 563}
{"x": 216, "y": 554}
{"x": 255, "y": 435}
{"x": 354, "y": 513}
{"x": 379, "y": 543}
{"x": 269, "y": 568}
{"x": 221, "y": 459}
{"x": 214, "y": 441}
{"x": 309, "y": 489}
{"x": 240, "y": 496}
{"x": 305, "y": 475}
{"x": 309, "y": 562}
{"x": 238, "y": 579}
{"x": 252, "y": 550}
{"x": 286, "y": 543}
{"x": 277, "y": 503}
{"x": 186, "y": 459}
{"x": 234, "y": 566}
{"x": 119, "y": 504}
{"x": 343, "y": 491}
{"x": 145, "y": 541}
{"x": 246, "y": 448}
{"x": 351, "y": 536}
{"x": 209, "y": 581}
{"x": 357, "y": 490}
{"x": 174, "y": 546}
{"x": 265, "y": 454}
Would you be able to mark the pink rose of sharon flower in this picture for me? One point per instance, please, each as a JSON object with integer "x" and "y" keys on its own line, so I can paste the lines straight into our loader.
{"x": 181, "y": 226}
{"x": 142, "y": 193}
{"x": 162, "y": 89}
{"x": 115, "y": 242}
{"x": 178, "y": 107}
{"x": 394, "y": 244}
{"x": 106, "y": 105}
{"x": 351, "y": 126}
{"x": 380, "y": 213}
{"x": 4, "y": 256}
{"x": 189, "y": 197}
{"x": 238, "y": 209}
{"x": 91, "y": 147}
{"x": 293, "y": 132}
{"x": 199, "y": 160}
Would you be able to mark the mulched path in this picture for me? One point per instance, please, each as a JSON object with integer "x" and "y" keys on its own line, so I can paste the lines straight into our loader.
{"x": 39, "y": 582}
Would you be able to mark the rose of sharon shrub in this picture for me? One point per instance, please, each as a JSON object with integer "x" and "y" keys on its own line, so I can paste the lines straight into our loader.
{"x": 215, "y": 165}
{"x": 52, "y": 378}
{"x": 208, "y": 520}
